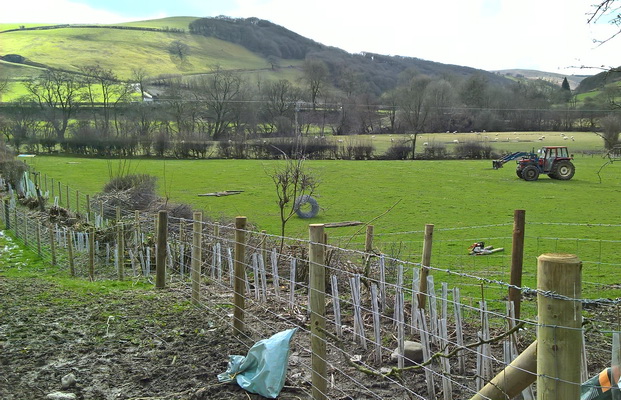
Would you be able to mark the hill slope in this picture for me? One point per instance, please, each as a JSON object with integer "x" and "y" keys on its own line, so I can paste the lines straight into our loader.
{"x": 233, "y": 44}
{"x": 557, "y": 79}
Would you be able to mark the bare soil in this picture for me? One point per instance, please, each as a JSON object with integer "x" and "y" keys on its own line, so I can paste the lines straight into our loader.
{"x": 152, "y": 344}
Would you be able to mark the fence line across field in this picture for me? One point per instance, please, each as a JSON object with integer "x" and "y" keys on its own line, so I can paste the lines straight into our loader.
{"x": 355, "y": 311}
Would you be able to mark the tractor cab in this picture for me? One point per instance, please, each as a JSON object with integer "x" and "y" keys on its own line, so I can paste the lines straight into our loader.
{"x": 549, "y": 155}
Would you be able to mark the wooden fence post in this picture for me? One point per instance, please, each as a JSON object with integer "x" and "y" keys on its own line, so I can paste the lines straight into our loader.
{"x": 196, "y": 256}
{"x": 517, "y": 257}
{"x": 162, "y": 238}
{"x": 559, "y": 335}
{"x": 240, "y": 276}
{"x": 317, "y": 278}
{"x": 77, "y": 202}
{"x": 120, "y": 250}
{"x": 68, "y": 199}
{"x": 70, "y": 253}
{"x": 91, "y": 254}
{"x": 89, "y": 217}
{"x": 60, "y": 195}
{"x": 426, "y": 261}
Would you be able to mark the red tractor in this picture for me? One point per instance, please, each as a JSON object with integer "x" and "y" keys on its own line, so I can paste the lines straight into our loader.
{"x": 555, "y": 161}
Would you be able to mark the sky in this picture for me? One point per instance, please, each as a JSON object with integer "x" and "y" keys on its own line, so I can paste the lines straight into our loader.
{"x": 546, "y": 35}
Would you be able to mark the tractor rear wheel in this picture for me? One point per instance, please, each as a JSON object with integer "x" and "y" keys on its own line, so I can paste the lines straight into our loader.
{"x": 530, "y": 173}
{"x": 563, "y": 170}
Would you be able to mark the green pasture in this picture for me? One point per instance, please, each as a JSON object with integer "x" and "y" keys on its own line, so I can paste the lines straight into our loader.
{"x": 467, "y": 201}
{"x": 501, "y": 142}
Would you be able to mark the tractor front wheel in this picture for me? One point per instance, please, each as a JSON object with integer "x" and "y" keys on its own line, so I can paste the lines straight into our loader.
{"x": 518, "y": 172}
{"x": 563, "y": 170}
{"x": 530, "y": 173}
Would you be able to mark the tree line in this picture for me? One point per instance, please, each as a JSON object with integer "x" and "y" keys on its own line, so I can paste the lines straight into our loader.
{"x": 96, "y": 112}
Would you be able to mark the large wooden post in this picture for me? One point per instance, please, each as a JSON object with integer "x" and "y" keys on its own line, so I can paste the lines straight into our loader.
{"x": 196, "y": 257}
{"x": 559, "y": 335}
{"x": 239, "y": 286}
{"x": 317, "y": 277}
{"x": 160, "y": 260}
{"x": 426, "y": 261}
{"x": 120, "y": 250}
{"x": 517, "y": 258}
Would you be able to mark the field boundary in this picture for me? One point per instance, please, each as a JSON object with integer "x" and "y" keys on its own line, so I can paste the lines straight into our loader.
{"x": 352, "y": 308}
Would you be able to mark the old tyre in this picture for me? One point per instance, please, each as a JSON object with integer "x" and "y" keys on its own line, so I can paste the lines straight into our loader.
{"x": 306, "y": 207}
{"x": 530, "y": 173}
{"x": 563, "y": 170}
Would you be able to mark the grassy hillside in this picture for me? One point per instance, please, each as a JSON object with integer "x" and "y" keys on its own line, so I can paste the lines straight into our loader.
{"x": 71, "y": 48}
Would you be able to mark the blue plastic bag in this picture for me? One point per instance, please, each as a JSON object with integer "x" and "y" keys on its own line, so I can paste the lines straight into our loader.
{"x": 264, "y": 369}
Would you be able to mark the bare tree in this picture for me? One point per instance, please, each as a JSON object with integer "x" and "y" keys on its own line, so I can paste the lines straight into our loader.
{"x": 57, "y": 94}
{"x": 179, "y": 50}
{"x": 316, "y": 77}
{"x": 292, "y": 180}
{"x": 104, "y": 89}
{"x": 279, "y": 105}
{"x": 139, "y": 77}
{"x": 218, "y": 91}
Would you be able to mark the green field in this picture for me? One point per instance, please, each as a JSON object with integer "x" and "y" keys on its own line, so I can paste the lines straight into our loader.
{"x": 465, "y": 200}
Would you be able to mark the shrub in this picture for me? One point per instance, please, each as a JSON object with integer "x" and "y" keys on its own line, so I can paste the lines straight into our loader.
{"x": 473, "y": 150}
{"x": 435, "y": 151}
{"x": 398, "y": 151}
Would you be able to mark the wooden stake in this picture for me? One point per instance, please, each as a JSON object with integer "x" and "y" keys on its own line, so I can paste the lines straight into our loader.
{"x": 517, "y": 257}
{"x": 317, "y": 273}
{"x": 162, "y": 241}
{"x": 89, "y": 217}
{"x": 559, "y": 285}
{"x": 426, "y": 261}
{"x": 196, "y": 257}
{"x": 120, "y": 250}
{"x": 240, "y": 275}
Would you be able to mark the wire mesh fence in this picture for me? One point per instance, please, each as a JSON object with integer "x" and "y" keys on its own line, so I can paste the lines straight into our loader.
{"x": 393, "y": 327}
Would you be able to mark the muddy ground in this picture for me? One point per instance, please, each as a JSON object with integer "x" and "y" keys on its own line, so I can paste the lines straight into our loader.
{"x": 138, "y": 344}
{"x": 149, "y": 344}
